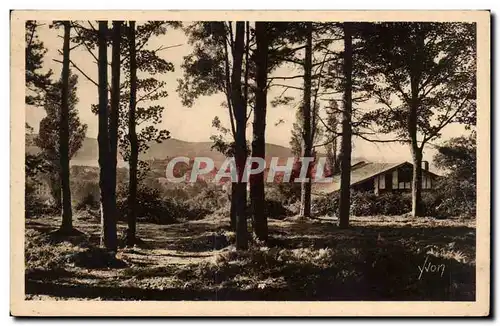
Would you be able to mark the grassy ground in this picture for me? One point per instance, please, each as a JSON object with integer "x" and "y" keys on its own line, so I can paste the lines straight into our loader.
{"x": 378, "y": 258}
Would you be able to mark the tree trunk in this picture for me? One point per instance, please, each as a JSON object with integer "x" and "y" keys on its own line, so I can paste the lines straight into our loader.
{"x": 416, "y": 189}
{"x": 259, "y": 129}
{"x": 134, "y": 152}
{"x": 234, "y": 194}
{"x": 416, "y": 153}
{"x": 114, "y": 115}
{"x": 108, "y": 223}
{"x": 305, "y": 193}
{"x": 345, "y": 164}
{"x": 67, "y": 219}
{"x": 305, "y": 198}
{"x": 240, "y": 150}
{"x": 336, "y": 161}
{"x": 56, "y": 189}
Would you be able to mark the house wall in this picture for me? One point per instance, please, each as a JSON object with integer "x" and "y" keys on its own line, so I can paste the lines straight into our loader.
{"x": 381, "y": 182}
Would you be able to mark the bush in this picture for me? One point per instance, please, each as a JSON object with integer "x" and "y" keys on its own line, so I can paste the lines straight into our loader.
{"x": 457, "y": 190}
{"x": 152, "y": 207}
{"x": 455, "y": 197}
{"x": 367, "y": 204}
{"x": 325, "y": 205}
{"x": 391, "y": 203}
{"x": 209, "y": 198}
{"x": 34, "y": 204}
{"x": 286, "y": 192}
{"x": 276, "y": 209}
{"x": 364, "y": 204}
{"x": 149, "y": 206}
{"x": 86, "y": 194}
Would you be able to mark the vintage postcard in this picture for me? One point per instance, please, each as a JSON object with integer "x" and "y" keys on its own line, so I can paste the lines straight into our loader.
{"x": 250, "y": 163}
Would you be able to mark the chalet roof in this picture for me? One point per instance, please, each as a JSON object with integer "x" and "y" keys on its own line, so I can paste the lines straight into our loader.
{"x": 360, "y": 172}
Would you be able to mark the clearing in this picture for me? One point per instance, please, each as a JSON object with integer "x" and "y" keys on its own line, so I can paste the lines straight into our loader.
{"x": 378, "y": 258}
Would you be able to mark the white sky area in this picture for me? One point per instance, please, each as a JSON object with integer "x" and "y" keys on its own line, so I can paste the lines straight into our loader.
{"x": 195, "y": 123}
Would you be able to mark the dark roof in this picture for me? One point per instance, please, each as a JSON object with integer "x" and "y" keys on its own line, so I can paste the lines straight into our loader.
{"x": 360, "y": 172}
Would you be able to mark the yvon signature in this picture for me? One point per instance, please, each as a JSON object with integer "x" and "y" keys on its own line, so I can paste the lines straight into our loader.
{"x": 429, "y": 267}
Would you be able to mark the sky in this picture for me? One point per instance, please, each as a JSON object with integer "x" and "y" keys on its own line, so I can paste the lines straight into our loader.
{"x": 195, "y": 123}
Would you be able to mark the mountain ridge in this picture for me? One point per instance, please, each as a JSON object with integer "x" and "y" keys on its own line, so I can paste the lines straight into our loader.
{"x": 87, "y": 155}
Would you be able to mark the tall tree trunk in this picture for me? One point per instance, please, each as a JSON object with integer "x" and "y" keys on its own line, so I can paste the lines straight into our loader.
{"x": 227, "y": 91}
{"x": 67, "y": 219}
{"x": 336, "y": 161}
{"x": 115, "y": 111}
{"x": 234, "y": 196}
{"x": 56, "y": 189}
{"x": 134, "y": 152}
{"x": 345, "y": 164}
{"x": 259, "y": 128}
{"x": 305, "y": 193}
{"x": 108, "y": 222}
{"x": 416, "y": 151}
{"x": 416, "y": 189}
{"x": 240, "y": 150}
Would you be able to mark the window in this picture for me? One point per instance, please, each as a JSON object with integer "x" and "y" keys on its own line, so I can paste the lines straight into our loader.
{"x": 381, "y": 179}
{"x": 405, "y": 174}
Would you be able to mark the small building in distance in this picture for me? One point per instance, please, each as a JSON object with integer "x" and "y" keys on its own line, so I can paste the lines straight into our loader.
{"x": 379, "y": 178}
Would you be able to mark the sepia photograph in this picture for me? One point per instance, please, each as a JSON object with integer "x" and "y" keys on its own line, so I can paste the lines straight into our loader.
{"x": 274, "y": 163}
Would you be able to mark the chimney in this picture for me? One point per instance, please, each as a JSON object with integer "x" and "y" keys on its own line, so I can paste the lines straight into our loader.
{"x": 425, "y": 165}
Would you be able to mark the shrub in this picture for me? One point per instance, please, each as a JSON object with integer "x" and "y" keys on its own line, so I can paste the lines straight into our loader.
{"x": 455, "y": 197}
{"x": 285, "y": 192}
{"x": 393, "y": 203}
{"x": 154, "y": 208}
{"x": 209, "y": 198}
{"x": 276, "y": 209}
{"x": 326, "y": 205}
{"x": 86, "y": 194}
{"x": 457, "y": 190}
{"x": 367, "y": 203}
{"x": 149, "y": 206}
{"x": 364, "y": 204}
{"x": 35, "y": 204}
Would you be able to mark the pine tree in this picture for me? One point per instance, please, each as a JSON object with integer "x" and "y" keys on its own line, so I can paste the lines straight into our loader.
{"x": 430, "y": 82}
{"x": 345, "y": 164}
{"x": 259, "y": 126}
{"x": 108, "y": 220}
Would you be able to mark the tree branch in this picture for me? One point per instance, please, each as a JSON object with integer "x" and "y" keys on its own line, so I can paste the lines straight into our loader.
{"x": 231, "y": 37}
{"x": 144, "y": 98}
{"x": 328, "y": 142}
{"x": 314, "y": 126}
{"x": 445, "y": 122}
{"x": 297, "y": 62}
{"x": 288, "y": 86}
{"x": 379, "y": 140}
{"x": 161, "y": 48}
{"x": 81, "y": 71}
{"x": 286, "y": 77}
{"x": 92, "y": 26}
{"x": 247, "y": 65}
{"x": 228, "y": 89}
{"x": 86, "y": 46}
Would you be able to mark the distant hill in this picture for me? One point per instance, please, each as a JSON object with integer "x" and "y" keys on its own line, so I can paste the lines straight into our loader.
{"x": 88, "y": 154}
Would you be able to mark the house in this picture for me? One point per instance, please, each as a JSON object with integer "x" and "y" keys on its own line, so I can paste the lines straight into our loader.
{"x": 380, "y": 177}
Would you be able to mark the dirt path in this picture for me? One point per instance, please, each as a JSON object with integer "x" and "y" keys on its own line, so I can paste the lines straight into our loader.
{"x": 195, "y": 260}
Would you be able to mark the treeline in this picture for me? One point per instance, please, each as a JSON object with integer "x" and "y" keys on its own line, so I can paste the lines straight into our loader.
{"x": 406, "y": 79}
{"x": 420, "y": 77}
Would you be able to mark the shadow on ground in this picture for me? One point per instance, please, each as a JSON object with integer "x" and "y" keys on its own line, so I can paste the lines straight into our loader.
{"x": 311, "y": 260}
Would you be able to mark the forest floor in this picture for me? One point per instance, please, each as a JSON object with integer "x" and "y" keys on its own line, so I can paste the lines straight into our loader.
{"x": 378, "y": 258}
